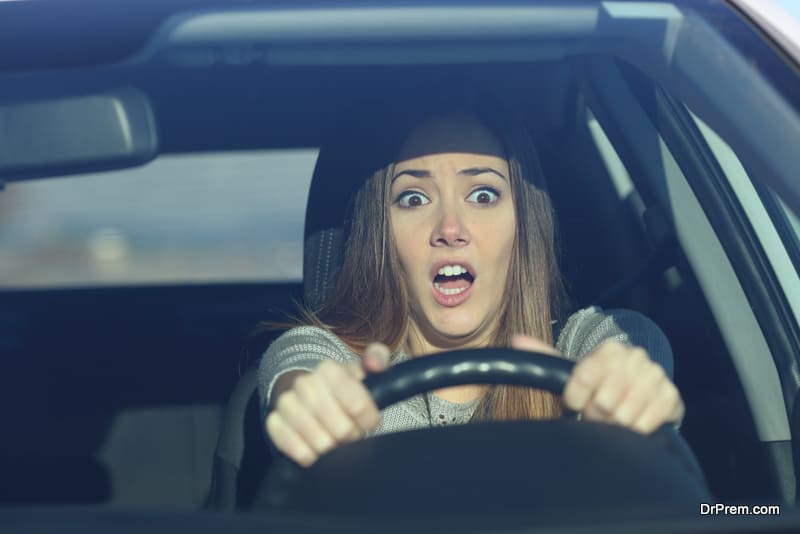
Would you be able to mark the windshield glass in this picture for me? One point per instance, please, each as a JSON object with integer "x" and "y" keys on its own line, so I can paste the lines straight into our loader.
{"x": 647, "y": 150}
{"x": 220, "y": 217}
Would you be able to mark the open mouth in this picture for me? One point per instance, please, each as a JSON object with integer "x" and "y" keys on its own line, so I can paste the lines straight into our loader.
{"x": 453, "y": 279}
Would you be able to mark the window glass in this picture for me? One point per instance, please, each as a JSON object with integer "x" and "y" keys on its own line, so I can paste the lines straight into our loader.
{"x": 794, "y": 222}
{"x": 777, "y": 237}
{"x": 779, "y": 245}
{"x": 221, "y": 217}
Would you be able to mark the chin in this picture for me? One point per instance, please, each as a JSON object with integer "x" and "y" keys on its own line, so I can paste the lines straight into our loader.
{"x": 455, "y": 330}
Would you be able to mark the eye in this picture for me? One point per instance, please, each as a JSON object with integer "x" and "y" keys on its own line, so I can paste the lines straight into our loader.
{"x": 412, "y": 199}
{"x": 484, "y": 195}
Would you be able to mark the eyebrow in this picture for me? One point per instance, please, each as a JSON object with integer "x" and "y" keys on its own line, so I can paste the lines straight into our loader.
{"x": 472, "y": 171}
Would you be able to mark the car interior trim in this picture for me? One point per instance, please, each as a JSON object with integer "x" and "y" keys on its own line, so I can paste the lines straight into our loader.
{"x": 744, "y": 338}
{"x": 774, "y": 23}
{"x": 742, "y": 244}
{"x": 350, "y": 24}
{"x": 760, "y": 221}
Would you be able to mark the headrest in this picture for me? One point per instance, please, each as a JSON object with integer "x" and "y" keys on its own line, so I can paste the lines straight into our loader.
{"x": 356, "y": 145}
{"x": 333, "y": 188}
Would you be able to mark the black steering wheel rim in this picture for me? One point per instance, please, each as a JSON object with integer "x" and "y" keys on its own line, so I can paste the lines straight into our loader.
{"x": 491, "y": 366}
{"x": 468, "y": 366}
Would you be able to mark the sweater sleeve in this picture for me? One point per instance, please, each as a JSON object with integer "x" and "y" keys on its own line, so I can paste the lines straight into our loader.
{"x": 586, "y": 329}
{"x": 298, "y": 349}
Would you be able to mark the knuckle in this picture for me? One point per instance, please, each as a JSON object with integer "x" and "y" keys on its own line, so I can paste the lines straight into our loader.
{"x": 604, "y": 401}
{"x": 302, "y": 381}
{"x": 313, "y": 435}
{"x": 359, "y": 401}
{"x": 343, "y": 432}
{"x": 302, "y": 386}
{"x": 323, "y": 443}
{"x": 658, "y": 371}
{"x": 285, "y": 401}
{"x": 585, "y": 370}
{"x": 366, "y": 416}
{"x": 324, "y": 368}
{"x": 612, "y": 348}
{"x": 307, "y": 392}
{"x": 373, "y": 417}
{"x": 332, "y": 371}
{"x": 357, "y": 407}
{"x": 639, "y": 355}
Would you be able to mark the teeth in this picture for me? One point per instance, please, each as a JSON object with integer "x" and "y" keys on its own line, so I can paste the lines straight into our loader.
{"x": 445, "y": 291}
{"x": 452, "y": 270}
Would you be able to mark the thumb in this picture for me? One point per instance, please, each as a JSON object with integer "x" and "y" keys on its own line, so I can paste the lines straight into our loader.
{"x": 376, "y": 357}
{"x": 523, "y": 342}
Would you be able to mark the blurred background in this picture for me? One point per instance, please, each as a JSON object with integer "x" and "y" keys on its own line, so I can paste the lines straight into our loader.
{"x": 231, "y": 217}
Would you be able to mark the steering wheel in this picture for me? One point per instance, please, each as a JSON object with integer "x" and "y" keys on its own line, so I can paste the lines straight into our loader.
{"x": 468, "y": 366}
{"x": 556, "y": 445}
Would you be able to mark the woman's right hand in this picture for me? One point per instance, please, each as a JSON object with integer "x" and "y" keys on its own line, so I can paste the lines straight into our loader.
{"x": 326, "y": 407}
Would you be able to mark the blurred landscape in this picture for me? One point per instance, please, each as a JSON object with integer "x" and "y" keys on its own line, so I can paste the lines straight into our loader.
{"x": 223, "y": 217}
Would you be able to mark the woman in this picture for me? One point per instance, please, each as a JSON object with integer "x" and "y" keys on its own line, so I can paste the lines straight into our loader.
{"x": 451, "y": 245}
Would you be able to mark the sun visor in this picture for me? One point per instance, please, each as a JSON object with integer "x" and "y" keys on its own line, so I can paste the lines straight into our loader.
{"x": 89, "y": 132}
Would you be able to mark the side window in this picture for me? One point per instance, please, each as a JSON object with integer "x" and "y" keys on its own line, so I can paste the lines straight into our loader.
{"x": 790, "y": 229}
{"x": 222, "y": 217}
{"x": 775, "y": 225}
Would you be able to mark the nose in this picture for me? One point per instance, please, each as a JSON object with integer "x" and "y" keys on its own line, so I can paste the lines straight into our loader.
{"x": 450, "y": 230}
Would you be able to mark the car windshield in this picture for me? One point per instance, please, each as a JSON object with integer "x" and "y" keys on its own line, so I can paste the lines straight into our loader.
{"x": 170, "y": 221}
{"x": 179, "y": 181}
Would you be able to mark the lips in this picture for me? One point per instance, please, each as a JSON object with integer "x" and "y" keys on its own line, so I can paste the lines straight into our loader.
{"x": 452, "y": 286}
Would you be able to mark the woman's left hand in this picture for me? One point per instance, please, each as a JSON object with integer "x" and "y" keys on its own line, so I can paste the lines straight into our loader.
{"x": 617, "y": 384}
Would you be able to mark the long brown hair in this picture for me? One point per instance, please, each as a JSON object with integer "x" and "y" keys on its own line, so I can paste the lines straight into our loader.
{"x": 370, "y": 299}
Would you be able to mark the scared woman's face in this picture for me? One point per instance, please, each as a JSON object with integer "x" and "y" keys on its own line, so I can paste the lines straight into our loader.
{"x": 453, "y": 222}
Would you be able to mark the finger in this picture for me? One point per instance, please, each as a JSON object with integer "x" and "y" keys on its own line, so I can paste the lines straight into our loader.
{"x": 594, "y": 412}
{"x": 356, "y": 369}
{"x": 639, "y": 396}
{"x": 588, "y": 374}
{"x": 524, "y": 342}
{"x": 351, "y": 395}
{"x": 665, "y": 407}
{"x": 304, "y": 423}
{"x": 626, "y": 366}
{"x": 376, "y": 357}
{"x": 288, "y": 441}
{"x": 315, "y": 395}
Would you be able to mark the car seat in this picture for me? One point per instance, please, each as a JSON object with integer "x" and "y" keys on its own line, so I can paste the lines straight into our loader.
{"x": 242, "y": 457}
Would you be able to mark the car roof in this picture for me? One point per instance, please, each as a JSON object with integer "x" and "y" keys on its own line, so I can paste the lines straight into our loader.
{"x": 236, "y": 34}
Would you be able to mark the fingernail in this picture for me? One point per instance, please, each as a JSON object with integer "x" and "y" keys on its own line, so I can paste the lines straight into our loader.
{"x": 378, "y": 350}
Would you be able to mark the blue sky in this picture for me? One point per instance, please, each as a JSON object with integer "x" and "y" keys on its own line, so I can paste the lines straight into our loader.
{"x": 792, "y": 6}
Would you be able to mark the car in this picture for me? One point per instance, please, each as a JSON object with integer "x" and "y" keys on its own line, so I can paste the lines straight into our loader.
{"x": 173, "y": 178}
